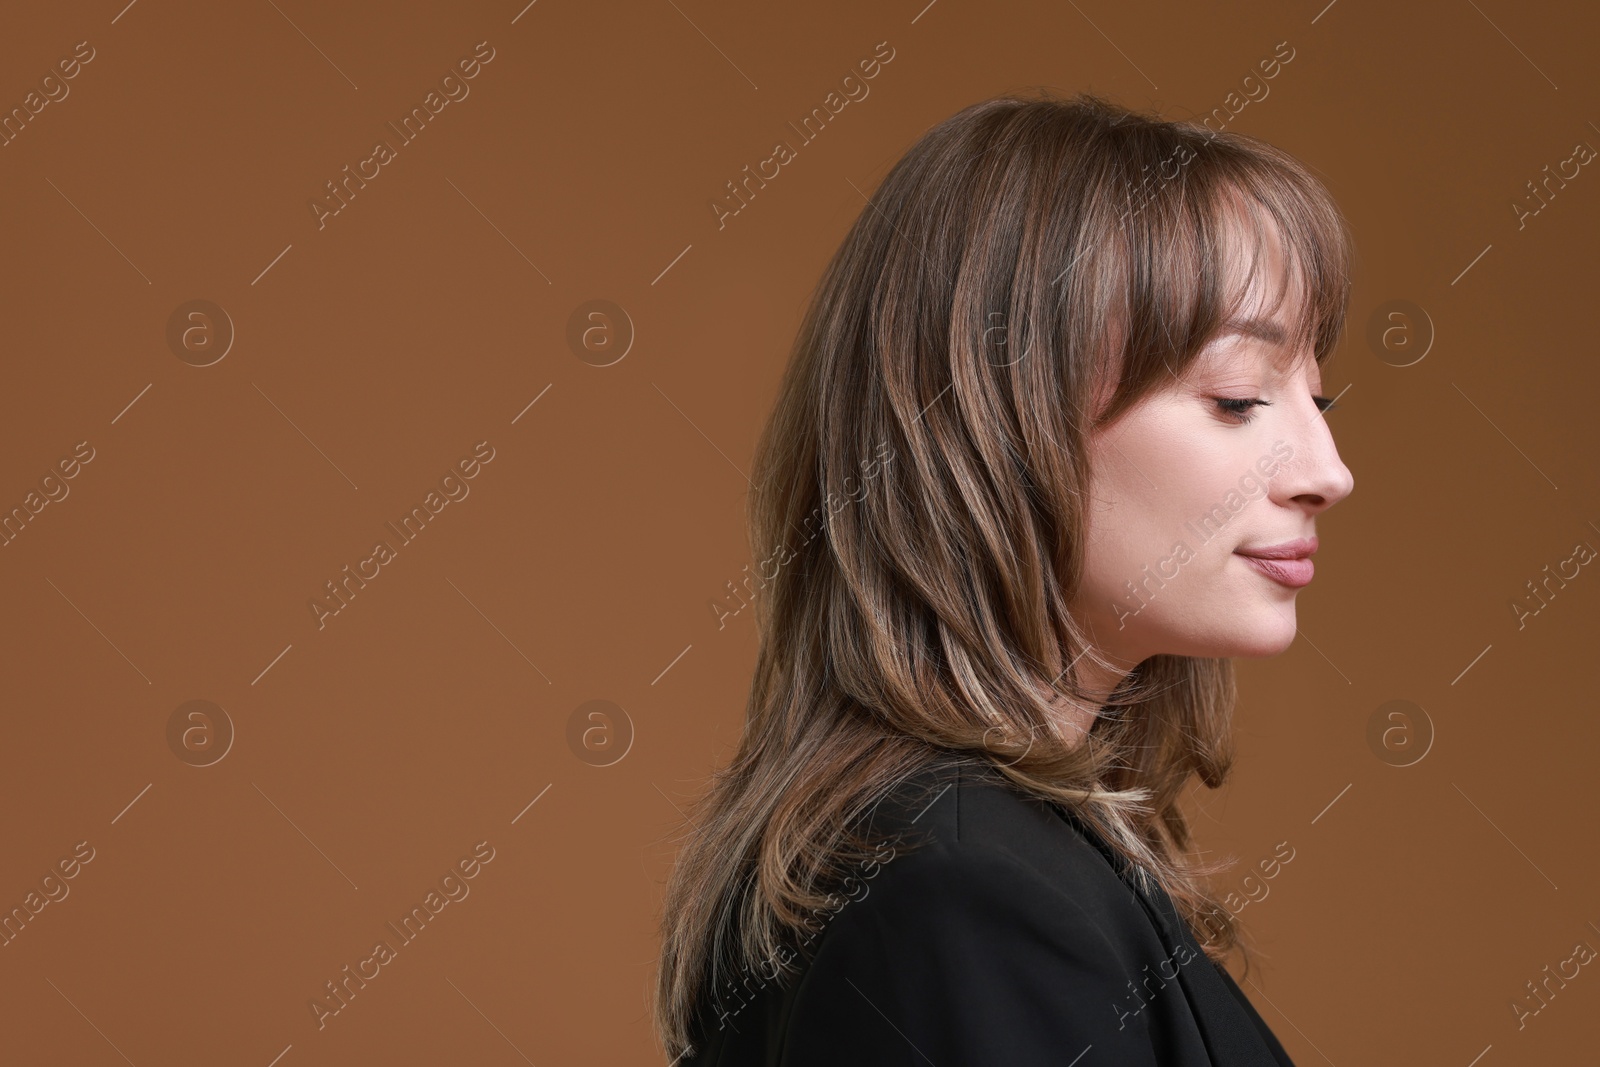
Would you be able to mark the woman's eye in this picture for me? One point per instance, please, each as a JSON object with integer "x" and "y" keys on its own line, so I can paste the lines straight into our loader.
{"x": 1239, "y": 410}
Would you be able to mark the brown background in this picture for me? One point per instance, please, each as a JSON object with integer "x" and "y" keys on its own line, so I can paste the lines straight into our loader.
{"x": 372, "y": 754}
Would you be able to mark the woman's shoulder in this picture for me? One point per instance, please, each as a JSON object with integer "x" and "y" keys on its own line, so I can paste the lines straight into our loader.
{"x": 967, "y": 814}
{"x": 988, "y": 912}
{"x": 966, "y": 857}
{"x": 985, "y": 911}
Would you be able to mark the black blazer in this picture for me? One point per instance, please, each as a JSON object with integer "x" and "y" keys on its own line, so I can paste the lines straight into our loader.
{"x": 1008, "y": 937}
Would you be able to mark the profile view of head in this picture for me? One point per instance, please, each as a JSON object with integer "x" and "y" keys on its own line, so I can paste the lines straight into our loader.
{"x": 1049, "y": 451}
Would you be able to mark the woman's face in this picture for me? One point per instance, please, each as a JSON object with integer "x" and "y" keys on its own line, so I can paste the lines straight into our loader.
{"x": 1184, "y": 488}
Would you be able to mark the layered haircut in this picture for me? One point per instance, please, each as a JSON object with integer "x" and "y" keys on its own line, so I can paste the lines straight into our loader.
{"x": 1029, "y": 270}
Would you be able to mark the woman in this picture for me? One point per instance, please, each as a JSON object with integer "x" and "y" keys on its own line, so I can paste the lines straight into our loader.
{"x": 1049, "y": 450}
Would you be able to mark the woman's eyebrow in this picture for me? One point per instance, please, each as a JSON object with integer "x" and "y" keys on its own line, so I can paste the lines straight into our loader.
{"x": 1270, "y": 332}
{"x": 1266, "y": 330}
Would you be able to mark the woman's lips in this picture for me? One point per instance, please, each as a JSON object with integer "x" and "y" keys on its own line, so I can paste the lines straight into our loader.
{"x": 1293, "y": 573}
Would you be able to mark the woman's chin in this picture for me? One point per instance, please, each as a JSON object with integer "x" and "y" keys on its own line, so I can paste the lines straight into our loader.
{"x": 1258, "y": 637}
{"x": 1269, "y": 637}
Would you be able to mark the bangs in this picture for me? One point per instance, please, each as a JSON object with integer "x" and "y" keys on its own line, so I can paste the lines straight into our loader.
{"x": 1285, "y": 270}
{"x": 1240, "y": 238}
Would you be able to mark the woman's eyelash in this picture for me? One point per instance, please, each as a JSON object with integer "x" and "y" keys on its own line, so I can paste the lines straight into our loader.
{"x": 1239, "y": 409}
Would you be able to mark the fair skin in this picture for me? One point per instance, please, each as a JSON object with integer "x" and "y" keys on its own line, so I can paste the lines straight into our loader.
{"x": 1179, "y": 456}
